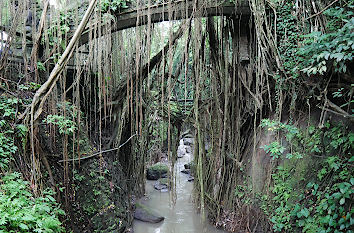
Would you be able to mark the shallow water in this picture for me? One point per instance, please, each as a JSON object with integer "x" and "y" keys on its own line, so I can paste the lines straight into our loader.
{"x": 179, "y": 218}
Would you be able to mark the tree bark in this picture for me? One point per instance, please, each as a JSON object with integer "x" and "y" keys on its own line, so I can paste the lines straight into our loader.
{"x": 44, "y": 91}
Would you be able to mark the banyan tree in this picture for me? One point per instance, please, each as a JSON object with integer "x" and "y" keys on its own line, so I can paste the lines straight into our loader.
{"x": 95, "y": 91}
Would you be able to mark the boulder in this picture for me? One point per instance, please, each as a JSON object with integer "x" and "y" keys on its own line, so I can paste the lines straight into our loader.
{"x": 188, "y": 149}
{"x": 145, "y": 214}
{"x": 189, "y": 165}
{"x": 181, "y": 142}
{"x": 163, "y": 184}
{"x": 188, "y": 141}
{"x": 186, "y": 171}
{"x": 157, "y": 171}
{"x": 181, "y": 151}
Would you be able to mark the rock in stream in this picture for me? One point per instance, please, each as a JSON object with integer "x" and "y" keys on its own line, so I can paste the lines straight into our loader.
{"x": 145, "y": 214}
{"x": 163, "y": 185}
{"x": 157, "y": 171}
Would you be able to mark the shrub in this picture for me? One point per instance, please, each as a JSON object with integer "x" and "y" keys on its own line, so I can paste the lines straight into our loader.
{"x": 20, "y": 211}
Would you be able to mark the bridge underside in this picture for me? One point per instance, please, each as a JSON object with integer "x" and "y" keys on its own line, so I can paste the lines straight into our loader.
{"x": 177, "y": 10}
{"x": 171, "y": 11}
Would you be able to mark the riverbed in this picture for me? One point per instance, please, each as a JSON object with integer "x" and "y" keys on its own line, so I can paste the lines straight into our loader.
{"x": 181, "y": 217}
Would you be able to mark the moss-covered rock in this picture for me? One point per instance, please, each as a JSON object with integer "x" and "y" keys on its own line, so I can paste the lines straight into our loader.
{"x": 145, "y": 214}
{"x": 163, "y": 184}
{"x": 157, "y": 171}
{"x": 165, "y": 181}
{"x": 101, "y": 196}
{"x": 189, "y": 165}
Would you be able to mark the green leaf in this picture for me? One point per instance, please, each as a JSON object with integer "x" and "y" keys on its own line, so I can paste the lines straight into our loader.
{"x": 23, "y": 226}
{"x": 336, "y": 195}
{"x": 301, "y": 223}
{"x": 351, "y": 137}
{"x": 342, "y": 201}
{"x": 326, "y": 55}
{"x": 23, "y": 129}
{"x": 305, "y": 212}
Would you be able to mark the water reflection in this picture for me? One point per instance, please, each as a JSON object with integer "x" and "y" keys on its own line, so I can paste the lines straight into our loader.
{"x": 179, "y": 218}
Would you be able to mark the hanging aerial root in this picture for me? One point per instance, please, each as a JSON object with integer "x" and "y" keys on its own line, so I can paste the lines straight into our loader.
{"x": 44, "y": 91}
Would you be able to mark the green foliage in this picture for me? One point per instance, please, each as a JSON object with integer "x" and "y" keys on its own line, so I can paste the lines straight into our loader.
{"x": 282, "y": 191}
{"x": 159, "y": 168}
{"x": 331, "y": 213}
{"x": 30, "y": 86}
{"x": 57, "y": 35}
{"x": 59, "y": 25}
{"x": 7, "y": 148}
{"x": 9, "y": 131}
{"x": 20, "y": 211}
{"x": 275, "y": 149}
{"x": 65, "y": 125}
{"x": 288, "y": 34}
{"x": 321, "y": 51}
{"x": 326, "y": 203}
{"x": 113, "y": 5}
{"x": 243, "y": 193}
{"x": 346, "y": 94}
{"x": 40, "y": 66}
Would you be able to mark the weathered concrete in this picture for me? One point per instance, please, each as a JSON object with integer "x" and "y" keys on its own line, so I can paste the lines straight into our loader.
{"x": 156, "y": 13}
{"x": 180, "y": 10}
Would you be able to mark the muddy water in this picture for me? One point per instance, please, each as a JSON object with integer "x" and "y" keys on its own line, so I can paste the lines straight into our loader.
{"x": 179, "y": 218}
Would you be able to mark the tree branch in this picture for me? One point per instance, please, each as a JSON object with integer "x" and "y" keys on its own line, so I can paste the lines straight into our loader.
{"x": 44, "y": 91}
{"x": 320, "y": 12}
{"x": 98, "y": 153}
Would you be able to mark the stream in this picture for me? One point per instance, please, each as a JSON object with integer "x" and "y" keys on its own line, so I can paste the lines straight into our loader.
{"x": 179, "y": 218}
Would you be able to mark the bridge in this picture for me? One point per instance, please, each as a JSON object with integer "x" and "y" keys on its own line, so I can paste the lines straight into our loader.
{"x": 168, "y": 11}
{"x": 180, "y": 10}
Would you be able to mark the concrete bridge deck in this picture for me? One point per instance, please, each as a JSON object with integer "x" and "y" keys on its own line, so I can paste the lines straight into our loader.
{"x": 177, "y": 10}
{"x": 180, "y": 10}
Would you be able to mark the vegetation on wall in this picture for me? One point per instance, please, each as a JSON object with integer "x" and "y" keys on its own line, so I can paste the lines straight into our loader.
{"x": 333, "y": 48}
{"x": 114, "y": 5}
{"x": 312, "y": 183}
{"x": 20, "y": 209}
{"x": 315, "y": 198}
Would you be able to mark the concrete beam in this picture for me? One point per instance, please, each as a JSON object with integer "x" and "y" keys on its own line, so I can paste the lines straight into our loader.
{"x": 180, "y": 10}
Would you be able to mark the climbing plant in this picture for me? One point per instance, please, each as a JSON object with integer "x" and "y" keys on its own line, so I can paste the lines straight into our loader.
{"x": 114, "y": 5}
{"x": 10, "y": 131}
{"x": 324, "y": 204}
{"x": 333, "y": 48}
{"x": 20, "y": 210}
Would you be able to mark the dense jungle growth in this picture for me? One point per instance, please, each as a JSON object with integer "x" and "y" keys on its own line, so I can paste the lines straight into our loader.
{"x": 92, "y": 92}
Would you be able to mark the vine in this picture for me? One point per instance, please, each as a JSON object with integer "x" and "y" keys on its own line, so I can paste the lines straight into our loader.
{"x": 333, "y": 49}
{"x": 20, "y": 210}
{"x": 325, "y": 205}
